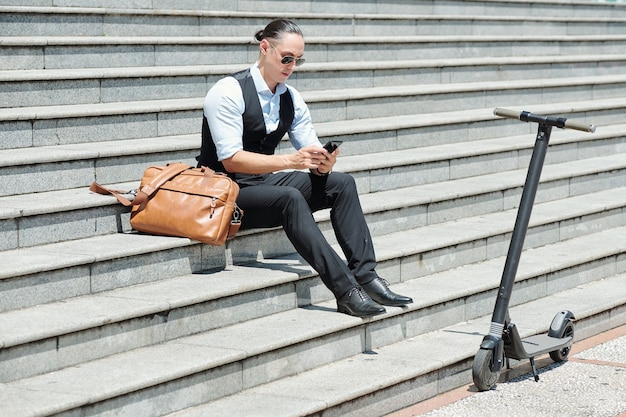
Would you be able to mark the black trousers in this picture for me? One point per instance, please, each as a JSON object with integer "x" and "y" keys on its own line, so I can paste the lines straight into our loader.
{"x": 288, "y": 199}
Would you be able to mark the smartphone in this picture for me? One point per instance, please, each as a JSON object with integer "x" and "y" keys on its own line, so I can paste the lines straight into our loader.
{"x": 331, "y": 145}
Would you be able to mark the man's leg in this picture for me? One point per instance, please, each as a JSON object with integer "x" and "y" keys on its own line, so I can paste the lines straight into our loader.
{"x": 281, "y": 201}
{"x": 274, "y": 205}
{"x": 351, "y": 230}
{"x": 355, "y": 239}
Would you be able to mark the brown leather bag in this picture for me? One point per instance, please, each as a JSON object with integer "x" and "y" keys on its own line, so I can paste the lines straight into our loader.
{"x": 179, "y": 200}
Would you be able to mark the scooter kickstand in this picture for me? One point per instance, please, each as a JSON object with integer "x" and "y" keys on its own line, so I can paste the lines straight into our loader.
{"x": 532, "y": 365}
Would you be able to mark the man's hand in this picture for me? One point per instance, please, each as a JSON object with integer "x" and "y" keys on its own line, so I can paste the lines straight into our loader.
{"x": 327, "y": 161}
{"x": 313, "y": 158}
{"x": 319, "y": 160}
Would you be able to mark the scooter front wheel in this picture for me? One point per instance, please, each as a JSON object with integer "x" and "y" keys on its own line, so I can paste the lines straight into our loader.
{"x": 484, "y": 377}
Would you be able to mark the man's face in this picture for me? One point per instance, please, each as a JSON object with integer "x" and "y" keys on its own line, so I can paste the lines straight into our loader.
{"x": 289, "y": 48}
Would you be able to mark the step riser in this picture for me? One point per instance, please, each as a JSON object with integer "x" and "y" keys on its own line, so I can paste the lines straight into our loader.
{"x": 245, "y": 248}
{"x": 169, "y": 396}
{"x": 97, "y": 128}
{"x": 448, "y": 73}
{"x": 176, "y": 54}
{"x": 63, "y": 226}
{"x": 94, "y": 91}
{"x": 37, "y": 178}
{"x": 186, "y": 120}
{"x": 90, "y": 277}
{"x": 427, "y": 103}
{"x": 480, "y": 304}
{"x": 428, "y": 173}
{"x": 479, "y": 250}
{"x": 425, "y": 133}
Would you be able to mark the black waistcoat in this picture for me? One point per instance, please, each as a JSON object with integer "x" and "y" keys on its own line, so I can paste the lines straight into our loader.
{"x": 254, "y": 137}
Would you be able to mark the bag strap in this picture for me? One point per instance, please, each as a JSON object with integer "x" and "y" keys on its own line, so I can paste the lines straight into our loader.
{"x": 97, "y": 188}
{"x": 147, "y": 190}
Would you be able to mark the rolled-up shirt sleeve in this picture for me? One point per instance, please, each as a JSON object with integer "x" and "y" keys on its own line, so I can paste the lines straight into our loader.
{"x": 223, "y": 109}
{"x": 302, "y": 132}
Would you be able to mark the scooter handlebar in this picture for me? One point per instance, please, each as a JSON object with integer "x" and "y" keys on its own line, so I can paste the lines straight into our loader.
{"x": 554, "y": 121}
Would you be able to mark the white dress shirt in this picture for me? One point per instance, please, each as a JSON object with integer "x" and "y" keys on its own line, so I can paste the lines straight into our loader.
{"x": 224, "y": 106}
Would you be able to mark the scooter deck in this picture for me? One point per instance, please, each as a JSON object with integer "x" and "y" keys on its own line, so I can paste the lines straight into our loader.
{"x": 538, "y": 345}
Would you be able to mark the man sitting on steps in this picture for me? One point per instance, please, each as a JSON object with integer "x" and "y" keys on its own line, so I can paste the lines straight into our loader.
{"x": 245, "y": 117}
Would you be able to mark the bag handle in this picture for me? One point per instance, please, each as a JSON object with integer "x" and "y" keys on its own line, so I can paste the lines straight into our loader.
{"x": 147, "y": 190}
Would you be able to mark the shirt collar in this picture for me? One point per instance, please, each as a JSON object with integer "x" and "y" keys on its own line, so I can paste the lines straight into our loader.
{"x": 261, "y": 85}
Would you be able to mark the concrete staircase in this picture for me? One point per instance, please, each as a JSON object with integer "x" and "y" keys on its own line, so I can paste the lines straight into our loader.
{"x": 98, "y": 320}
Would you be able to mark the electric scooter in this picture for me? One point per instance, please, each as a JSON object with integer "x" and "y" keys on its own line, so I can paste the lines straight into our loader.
{"x": 503, "y": 339}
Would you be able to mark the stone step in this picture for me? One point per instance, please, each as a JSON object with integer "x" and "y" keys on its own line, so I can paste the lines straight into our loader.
{"x": 37, "y": 90}
{"x": 239, "y": 358}
{"x": 75, "y": 21}
{"x": 190, "y": 81}
{"x": 49, "y": 52}
{"x": 539, "y": 9}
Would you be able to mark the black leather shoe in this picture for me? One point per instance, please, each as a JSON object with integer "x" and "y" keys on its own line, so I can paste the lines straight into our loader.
{"x": 357, "y": 303}
{"x": 378, "y": 290}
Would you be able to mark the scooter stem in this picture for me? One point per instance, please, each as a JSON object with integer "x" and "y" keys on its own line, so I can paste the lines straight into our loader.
{"x": 521, "y": 225}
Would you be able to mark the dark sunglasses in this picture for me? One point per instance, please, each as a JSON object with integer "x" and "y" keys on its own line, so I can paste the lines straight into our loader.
{"x": 286, "y": 60}
{"x": 289, "y": 59}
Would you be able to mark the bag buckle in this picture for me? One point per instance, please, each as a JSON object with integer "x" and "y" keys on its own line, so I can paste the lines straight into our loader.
{"x": 236, "y": 216}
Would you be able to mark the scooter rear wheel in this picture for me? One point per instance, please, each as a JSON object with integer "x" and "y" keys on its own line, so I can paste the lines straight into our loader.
{"x": 561, "y": 354}
{"x": 484, "y": 377}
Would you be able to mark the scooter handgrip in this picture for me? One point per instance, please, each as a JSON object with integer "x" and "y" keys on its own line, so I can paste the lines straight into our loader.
{"x": 510, "y": 114}
{"x": 570, "y": 124}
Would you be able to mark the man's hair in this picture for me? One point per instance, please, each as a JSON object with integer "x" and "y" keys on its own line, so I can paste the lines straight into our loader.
{"x": 276, "y": 28}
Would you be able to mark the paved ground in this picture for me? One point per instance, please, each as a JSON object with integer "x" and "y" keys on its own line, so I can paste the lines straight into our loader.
{"x": 591, "y": 383}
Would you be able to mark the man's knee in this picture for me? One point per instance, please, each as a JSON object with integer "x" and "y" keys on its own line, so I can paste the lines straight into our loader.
{"x": 292, "y": 198}
{"x": 344, "y": 182}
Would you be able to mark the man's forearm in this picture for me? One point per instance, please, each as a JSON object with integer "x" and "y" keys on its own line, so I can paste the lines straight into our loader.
{"x": 245, "y": 162}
